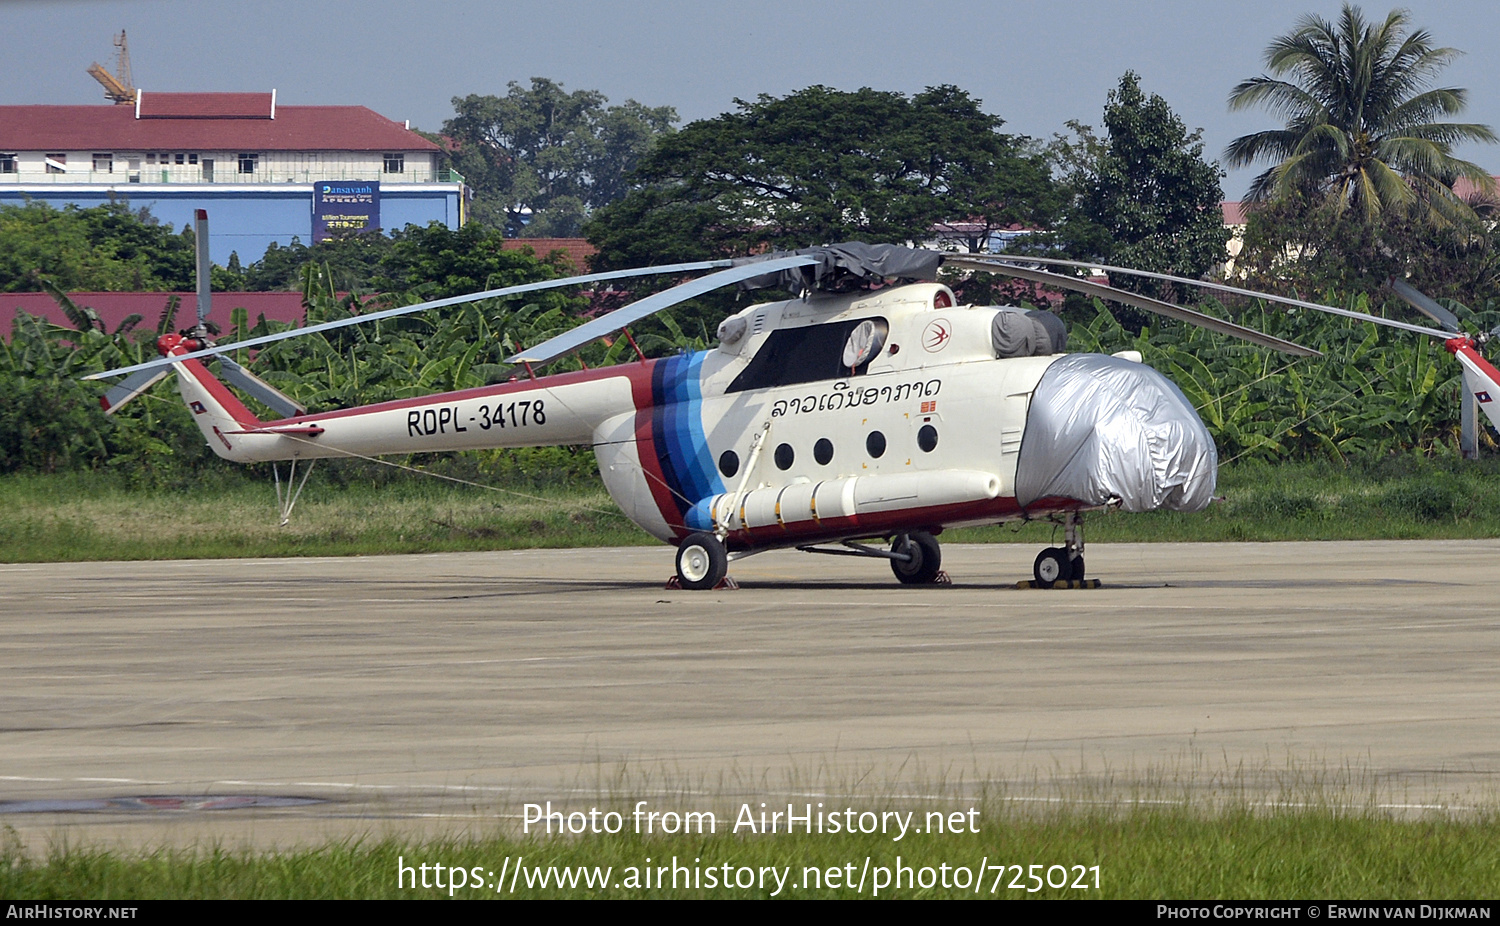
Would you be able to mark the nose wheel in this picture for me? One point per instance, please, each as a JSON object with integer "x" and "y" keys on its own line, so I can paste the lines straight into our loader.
{"x": 1064, "y": 563}
{"x": 1052, "y": 566}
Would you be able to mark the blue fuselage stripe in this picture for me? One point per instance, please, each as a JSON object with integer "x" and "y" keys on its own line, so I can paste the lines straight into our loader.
{"x": 682, "y": 445}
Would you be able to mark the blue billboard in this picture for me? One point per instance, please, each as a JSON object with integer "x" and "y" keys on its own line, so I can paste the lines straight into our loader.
{"x": 343, "y": 207}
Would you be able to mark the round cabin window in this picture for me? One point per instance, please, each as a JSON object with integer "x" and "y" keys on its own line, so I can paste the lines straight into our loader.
{"x": 927, "y": 438}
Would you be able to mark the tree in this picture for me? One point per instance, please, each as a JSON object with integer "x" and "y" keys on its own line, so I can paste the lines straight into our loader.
{"x": 353, "y": 260}
{"x": 1360, "y": 127}
{"x": 1310, "y": 246}
{"x": 1142, "y": 196}
{"x": 540, "y": 160}
{"x": 821, "y": 165}
{"x": 436, "y": 262}
{"x": 106, "y": 248}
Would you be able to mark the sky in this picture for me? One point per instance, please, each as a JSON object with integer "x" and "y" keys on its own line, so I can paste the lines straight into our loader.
{"x": 1035, "y": 64}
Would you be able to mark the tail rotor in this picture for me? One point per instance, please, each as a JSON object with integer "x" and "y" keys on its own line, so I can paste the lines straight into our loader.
{"x": 241, "y": 378}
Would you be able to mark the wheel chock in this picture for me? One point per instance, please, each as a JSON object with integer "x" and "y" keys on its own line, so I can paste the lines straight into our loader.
{"x": 1070, "y": 583}
{"x": 942, "y": 578}
{"x": 726, "y": 584}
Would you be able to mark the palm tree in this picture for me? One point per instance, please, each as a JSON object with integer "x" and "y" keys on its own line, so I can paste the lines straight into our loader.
{"x": 1361, "y": 126}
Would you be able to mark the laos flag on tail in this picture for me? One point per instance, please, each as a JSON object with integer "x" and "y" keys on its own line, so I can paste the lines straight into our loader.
{"x": 1483, "y": 380}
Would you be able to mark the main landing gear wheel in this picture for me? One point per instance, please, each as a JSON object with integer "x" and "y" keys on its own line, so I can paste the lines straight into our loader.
{"x": 702, "y": 561}
{"x": 1052, "y": 566}
{"x": 925, "y": 558}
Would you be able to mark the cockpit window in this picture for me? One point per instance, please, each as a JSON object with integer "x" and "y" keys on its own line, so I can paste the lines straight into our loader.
{"x": 865, "y": 343}
{"x": 802, "y": 355}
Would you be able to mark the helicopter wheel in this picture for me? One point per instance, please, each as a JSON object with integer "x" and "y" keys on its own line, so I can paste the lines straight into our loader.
{"x": 1077, "y": 573}
{"x": 702, "y": 561}
{"x": 1052, "y": 566}
{"x": 926, "y": 558}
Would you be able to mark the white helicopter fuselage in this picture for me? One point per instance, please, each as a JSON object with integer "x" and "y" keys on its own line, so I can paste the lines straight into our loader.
{"x": 770, "y": 439}
{"x": 932, "y": 421}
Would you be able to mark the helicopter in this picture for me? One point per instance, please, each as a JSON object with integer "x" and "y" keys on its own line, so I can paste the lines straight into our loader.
{"x": 861, "y": 417}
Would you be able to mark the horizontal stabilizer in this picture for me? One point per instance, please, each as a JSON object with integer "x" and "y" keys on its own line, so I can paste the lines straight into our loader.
{"x": 299, "y": 430}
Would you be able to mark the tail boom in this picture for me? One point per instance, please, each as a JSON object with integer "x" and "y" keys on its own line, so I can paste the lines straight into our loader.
{"x": 552, "y": 410}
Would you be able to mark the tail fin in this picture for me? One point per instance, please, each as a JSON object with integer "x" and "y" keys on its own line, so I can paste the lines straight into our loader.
{"x": 219, "y": 413}
{"x": 1481, "y": 379}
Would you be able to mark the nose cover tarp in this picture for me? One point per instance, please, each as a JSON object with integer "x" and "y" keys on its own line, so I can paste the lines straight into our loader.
{"x": 1102, "y": 428}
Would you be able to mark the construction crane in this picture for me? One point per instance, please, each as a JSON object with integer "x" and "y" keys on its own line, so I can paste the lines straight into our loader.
{"x": 119, "y": 86}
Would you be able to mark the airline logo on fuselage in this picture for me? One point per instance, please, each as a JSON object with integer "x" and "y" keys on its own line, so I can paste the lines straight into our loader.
{"x": 936, "y": 335}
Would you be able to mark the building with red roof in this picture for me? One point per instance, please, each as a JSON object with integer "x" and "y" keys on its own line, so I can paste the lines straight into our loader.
{"x": 266, "y": 173}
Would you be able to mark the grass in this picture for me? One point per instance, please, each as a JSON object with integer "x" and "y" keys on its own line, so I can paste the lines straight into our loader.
{"x": 1143, "y": 852}
{"x": 82, "y": 517}
{"x": 1399, "y": 498}
{"x": 73, "y": 518}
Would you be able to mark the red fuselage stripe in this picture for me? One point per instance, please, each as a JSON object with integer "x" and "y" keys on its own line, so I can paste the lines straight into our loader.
{"x": 218, "y": 390}
{"x": 825, "y": 530}
{"x": 478, "y": 392}
{"x": 645, "y": 446}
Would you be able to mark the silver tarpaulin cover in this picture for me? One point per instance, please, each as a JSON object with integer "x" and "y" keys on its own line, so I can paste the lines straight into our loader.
{"x": 1102, "y": 427}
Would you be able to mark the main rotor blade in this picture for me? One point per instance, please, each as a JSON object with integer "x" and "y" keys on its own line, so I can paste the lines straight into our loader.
{"x": 1424, "y": 304}
{"x": 408, "y": 309}
{"x": 1141, "y": 302}
{"x": 605, "y": 324}
{"x": 1220, "y": 287}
